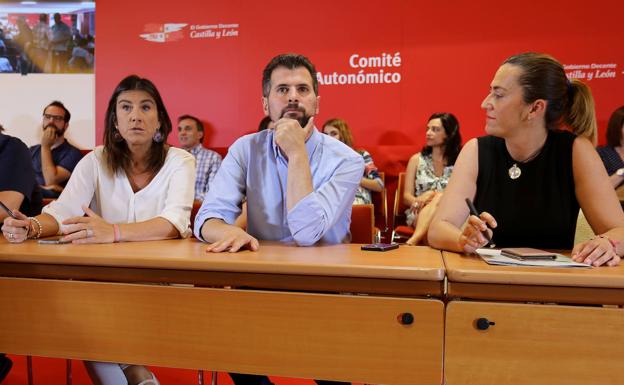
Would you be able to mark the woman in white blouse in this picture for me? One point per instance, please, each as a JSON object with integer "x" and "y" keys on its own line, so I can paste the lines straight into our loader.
{"x": 134, "y": 188}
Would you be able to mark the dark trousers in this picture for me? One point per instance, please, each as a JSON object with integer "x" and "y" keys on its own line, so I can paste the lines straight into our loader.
{"x": 252, "y": 379}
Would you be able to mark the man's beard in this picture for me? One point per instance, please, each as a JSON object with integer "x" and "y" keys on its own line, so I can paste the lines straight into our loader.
{"x": 303, "y": 119}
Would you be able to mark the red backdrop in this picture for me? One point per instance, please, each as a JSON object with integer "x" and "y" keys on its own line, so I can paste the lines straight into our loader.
{"x": 448, "y": 52}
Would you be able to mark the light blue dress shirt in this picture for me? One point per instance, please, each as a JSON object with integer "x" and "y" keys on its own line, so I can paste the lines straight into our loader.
{"x": 255, "y": 168}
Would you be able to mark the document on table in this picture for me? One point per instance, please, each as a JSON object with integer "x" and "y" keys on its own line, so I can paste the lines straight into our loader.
{"x": 494, "y": 257}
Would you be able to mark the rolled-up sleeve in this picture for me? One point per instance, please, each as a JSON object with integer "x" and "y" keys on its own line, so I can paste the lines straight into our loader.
{"x": 78, "y": 192}
{"x": 180, "y": 193}
{"x": 311, "y": 218}
{"x": 227, "y": 190}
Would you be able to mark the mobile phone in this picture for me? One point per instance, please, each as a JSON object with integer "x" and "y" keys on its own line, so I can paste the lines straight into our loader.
{"x": 380, "y": 246}
{"x": 8, "y": 210}
{"x": 52, "y": 241}
{"x": 528, "y": 253}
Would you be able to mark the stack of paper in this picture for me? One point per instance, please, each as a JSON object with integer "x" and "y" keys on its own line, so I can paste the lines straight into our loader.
{"x": 494, "y": 257}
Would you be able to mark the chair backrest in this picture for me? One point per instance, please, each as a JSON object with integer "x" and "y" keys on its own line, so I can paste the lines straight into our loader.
{"x": 380, "y": 201}
{"x": 362, "y": 223}
{"x": 399, "y": 207}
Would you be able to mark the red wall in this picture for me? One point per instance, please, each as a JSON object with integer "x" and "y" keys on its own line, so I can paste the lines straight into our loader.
{"x": 449, "y": 52}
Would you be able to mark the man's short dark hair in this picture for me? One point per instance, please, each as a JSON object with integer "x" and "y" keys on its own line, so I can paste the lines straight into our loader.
{"x": 290, "y": 61}
{"x": 43, "y": 17}
{"x": 58, "y": 104}
{"x": 198, "y": 123}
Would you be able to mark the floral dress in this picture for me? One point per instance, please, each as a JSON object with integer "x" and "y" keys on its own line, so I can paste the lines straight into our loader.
{"x": 426, "y": 180}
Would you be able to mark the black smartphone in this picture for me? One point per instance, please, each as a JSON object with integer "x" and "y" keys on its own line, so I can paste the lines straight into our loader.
{"x": 8, "y": 210}
{"x": 528, "y": 254}
{"x": 380, "y": 246}
{"x": 52, "y": 241}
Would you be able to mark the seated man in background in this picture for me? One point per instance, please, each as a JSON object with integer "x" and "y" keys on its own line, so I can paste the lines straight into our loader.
{"x": 55, "y": 158}
{"x": 299, "y": 183}
{"x": 191, "y": 136}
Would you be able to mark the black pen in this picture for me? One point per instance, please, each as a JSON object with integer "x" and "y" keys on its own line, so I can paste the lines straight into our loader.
{"x": 473, "y": 211}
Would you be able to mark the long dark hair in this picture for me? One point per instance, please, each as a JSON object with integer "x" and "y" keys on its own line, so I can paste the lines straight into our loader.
{"x": 614, "y": 128}
{"x": 452, "y": 144}
{"x": 570, "y": 102}
{"x": 116, "y": 151}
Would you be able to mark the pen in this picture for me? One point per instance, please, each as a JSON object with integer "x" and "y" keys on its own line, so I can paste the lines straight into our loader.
{"x": 473, "y": 211}
{"x": 8, "y": 210}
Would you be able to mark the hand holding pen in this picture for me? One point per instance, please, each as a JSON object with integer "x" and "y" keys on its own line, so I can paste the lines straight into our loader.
{"x": 477, "y": 231}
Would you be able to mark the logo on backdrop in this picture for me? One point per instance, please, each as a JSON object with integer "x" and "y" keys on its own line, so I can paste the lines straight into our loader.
{"x": 164, "y": 33}
{"x": 378, "y": 69}
{"x": 592, "y": 71}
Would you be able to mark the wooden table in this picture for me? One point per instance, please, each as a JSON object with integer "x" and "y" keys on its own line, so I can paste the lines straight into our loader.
{"x": 538, "y": 325}
{"x": 290, "y": 311}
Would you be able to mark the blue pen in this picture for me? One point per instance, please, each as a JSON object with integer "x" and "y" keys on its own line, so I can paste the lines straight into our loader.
{"x": 473, "y": 211}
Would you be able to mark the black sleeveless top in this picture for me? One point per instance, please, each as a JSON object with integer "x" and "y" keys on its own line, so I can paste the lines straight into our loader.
{"x": 539, "y": 209}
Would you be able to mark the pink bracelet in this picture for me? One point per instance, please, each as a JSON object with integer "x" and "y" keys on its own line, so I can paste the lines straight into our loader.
{"x": 117, "y": 233}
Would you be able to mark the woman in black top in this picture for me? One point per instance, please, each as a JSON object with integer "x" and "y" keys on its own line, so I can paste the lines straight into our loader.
{"x": 528, "y": 178}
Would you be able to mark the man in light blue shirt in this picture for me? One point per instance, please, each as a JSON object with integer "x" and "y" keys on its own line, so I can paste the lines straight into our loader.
{"x": 299, "y": 184}
{"x": 59, "y": 38}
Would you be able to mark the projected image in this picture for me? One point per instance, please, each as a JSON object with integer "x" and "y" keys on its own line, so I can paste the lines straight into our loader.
{"x": 47, "y": 36}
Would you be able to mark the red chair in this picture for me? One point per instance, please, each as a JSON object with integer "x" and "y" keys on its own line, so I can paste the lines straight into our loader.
{"x": 362, "y": 223}
{"x": 402, "y": 232}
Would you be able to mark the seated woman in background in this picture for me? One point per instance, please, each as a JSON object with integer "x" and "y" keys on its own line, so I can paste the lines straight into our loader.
{"x": 134, "y": 188}
{"x": 612, "y": 154}
{"x": 428, "y": 173}
{"x": 371, "y": 181}
{"x": 528, "y": 178}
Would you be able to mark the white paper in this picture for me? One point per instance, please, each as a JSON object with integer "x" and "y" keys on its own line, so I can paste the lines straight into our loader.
{"x": 494, "y": 257}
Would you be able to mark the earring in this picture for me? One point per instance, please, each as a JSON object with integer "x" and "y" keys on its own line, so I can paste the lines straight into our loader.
{"x": 117, "y": 136}
{"x": 158, "y": 137}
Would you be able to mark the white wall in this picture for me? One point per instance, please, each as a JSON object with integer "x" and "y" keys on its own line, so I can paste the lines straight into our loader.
{"x": 22, "y": 99}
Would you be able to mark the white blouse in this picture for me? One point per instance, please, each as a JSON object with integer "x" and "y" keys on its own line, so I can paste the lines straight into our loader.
{"x": 169, "y": 195}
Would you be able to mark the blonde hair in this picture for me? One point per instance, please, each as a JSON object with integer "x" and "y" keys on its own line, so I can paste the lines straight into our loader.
{"x": 343, "y": 128}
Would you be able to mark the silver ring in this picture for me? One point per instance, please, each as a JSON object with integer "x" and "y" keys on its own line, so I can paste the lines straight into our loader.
{"x": 89, "y": 233}
{"x": 11, "y": 236}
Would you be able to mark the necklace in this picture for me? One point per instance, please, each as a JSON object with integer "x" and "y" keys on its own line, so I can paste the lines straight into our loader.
{"x": 515, "y": 172}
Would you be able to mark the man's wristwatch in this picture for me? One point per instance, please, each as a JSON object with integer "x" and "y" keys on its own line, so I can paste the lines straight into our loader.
{"x": 620, "y": 172}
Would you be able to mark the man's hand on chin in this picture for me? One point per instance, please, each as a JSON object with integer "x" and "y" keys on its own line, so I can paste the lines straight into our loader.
{"x": 49, "y": 136}
{"x": 290, "y": 137}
